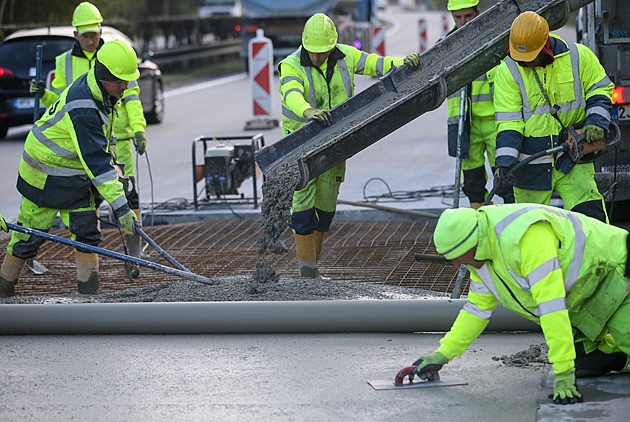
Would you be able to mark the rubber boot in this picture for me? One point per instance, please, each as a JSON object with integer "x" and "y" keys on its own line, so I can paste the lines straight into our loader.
{"x": 87, "y": 273}
{"x": 141, "y": 244}
{"x": 9, "y": 273}
{"x": 133, "y": 247}
{"x": 305, "y": 249}
{"x": 319, "y": 240}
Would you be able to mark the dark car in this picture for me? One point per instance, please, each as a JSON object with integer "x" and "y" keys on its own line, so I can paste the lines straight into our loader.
{"x": 17, "y": 69}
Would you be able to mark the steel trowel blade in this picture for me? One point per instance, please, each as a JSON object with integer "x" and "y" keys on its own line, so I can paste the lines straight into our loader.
{"x": 445, "y": 381}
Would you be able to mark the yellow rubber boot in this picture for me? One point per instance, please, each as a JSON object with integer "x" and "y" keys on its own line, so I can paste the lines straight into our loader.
{"x": 9, "y": 273}
{"x": 87, "y": 273}
{"x": 134, "y": 247}
{"x": 305, "y": 249}
{"x": 319, "y": 240}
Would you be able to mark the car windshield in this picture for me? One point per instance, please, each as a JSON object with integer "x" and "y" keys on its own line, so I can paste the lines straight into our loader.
{"x": 19, "y": 55}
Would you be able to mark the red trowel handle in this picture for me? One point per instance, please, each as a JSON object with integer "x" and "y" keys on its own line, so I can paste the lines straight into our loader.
{"x": 400, "y": 376}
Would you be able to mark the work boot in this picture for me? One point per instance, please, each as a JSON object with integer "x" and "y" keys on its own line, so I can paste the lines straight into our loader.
{"x": 306, "y": 251}
{"x": 87, "y": 273}
{"x": 9, "y": 273}
{"x": 133, "y": 247}
{"x": 598, "y": 363}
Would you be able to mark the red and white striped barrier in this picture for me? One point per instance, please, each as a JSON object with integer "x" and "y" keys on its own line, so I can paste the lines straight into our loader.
{"x": 446, "y": 24}
{"x": 422, "y": 32}
{"x": 378, "y": 40}
{"x": 260, "y": 55}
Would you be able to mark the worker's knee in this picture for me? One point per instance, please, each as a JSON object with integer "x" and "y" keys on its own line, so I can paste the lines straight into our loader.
{"x": 474, "y": 185}
{"x": 83, "y": 225}
{"x": 304, "y": 222}
{"x": 594, "y": 208}
{"x": 324, "y": 219}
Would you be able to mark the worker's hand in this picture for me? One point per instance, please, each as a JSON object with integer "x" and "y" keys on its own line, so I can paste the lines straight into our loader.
{"x": 140, "y": 141}
{"x": 3, "y": 224}
{"x": 37, "y": 87}
{"x": 113, "y": 150}
{"x": 412, "y": 60}
{"x": 322, "y": 116}
{"x": 428, "y": 363}
{"x": 129, "y": 220}
{"x": 502, "y": 176}
{"x": 564, "y": 389}
{"x": 593, "y": 133}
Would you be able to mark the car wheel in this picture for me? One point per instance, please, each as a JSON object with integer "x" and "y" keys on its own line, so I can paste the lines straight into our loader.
{"x": 156, "y": 114}
{"x": 4, "y": 128}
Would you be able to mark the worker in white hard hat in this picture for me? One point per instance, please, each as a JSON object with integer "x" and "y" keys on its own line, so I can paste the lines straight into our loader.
{"x": 69, "y": 158}
{"x": 560, "y": 269}
{"x": 314, "y": 79}
{"x": 542, "y": 73}
{"x": 130, "y": 122}
{"x": 479, "y": 132}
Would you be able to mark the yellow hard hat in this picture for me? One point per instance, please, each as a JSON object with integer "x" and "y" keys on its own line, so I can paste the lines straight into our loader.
{"x": 86, "y": 14}
{"x": 119, "y": 59}
{"x": 456, "y": 232}
{"x": 528, "y": 36}
{"x": 461, "y": 4}
{"x": 319, "y": 34}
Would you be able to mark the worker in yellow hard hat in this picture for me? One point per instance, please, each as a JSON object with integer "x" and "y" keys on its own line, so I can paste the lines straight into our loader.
{"x": 130, "y": 123}
{"x": 576, "y": 292}
{"x": 479, "y": 132}
{"x": 314, "y": 79}
{"x": 542, "y": 73}
{"x": 68, "y": 156}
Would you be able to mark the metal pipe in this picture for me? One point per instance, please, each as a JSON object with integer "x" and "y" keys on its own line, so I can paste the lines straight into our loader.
{"x": 327, "y": 316}
{"x": 389, "y": 209}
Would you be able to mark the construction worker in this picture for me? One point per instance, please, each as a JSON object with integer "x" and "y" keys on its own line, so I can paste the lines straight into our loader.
{"x": 130, "y": 122}
{"x": 542, "y": 72}
{"x": 479, "y": 134}
{"x": 317, "y": 77}
{"x": 3, "y": 224}
{"x": 560, "y": 269}
{"x": 68, "y": 158}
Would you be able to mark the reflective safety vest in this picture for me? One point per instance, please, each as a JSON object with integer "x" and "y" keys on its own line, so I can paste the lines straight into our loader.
{"x": 479, "y": 105}
{"x": 66, "y": 154}
{"x": 555, "y": 267}
{"x": 68, "y": 67}
{"x": 303, "y": 86}
{"x": 575, "y": 81}
{"x": 130, "y": 118}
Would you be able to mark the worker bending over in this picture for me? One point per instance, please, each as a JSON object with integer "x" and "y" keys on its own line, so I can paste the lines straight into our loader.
{"x": 130, "y": 122}
{"x": 317, "y": 77}
{"x": 479, "y": 131}
{"x": 67, "y": 159}
{"x": 542, "y": 72}
{"x": 560, "y": 269}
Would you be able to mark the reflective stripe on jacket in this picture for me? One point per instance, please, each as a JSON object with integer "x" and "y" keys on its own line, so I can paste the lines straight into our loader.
{"x": 479, "y": 105}
{"x": 303, "y": 86}
{"x": 66, "y": 154}
{"x": 557, "y": 268}
{"x": 575, "y": 81}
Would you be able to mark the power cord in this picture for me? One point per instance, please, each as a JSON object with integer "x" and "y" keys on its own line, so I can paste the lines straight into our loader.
{"x": 408, "y": 196}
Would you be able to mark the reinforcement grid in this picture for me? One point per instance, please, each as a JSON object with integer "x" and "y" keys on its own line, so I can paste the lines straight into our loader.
{"x": 362, "y": 251}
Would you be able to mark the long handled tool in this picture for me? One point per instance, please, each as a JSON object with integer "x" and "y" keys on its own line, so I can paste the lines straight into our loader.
{"x": 121, "y": 257}
{"x": 158, "y": 249}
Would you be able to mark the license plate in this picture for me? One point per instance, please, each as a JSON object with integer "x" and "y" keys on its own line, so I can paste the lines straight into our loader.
{"x": 621, "y": 112}
{"x": 24, "y": 102}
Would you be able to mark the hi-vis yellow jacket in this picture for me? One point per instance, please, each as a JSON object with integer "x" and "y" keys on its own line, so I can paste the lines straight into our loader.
{"x": 555, "y": 267}
{"x": 575, "y": 81}
{"x": 66, "y": 154}
{"x": 303, "y": 85}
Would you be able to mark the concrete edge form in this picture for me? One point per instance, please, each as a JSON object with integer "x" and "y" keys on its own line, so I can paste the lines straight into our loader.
{"x": 327, "y": 316}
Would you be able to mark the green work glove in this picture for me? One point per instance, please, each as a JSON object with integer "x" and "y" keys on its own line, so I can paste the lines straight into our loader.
{"x": 37, "y": 87}
{"x": 593, "y": 133}
{"x": 412, "y": 60}
{"x": 140, "y": 141}
{"x": 564, "y": 389}
{"x": 129, "y": 220}
{"x": 113, "y": 150}
{"x": 322, "y": 116}
{"x": 428, "y": 363}
{"x": 3, "y": 224}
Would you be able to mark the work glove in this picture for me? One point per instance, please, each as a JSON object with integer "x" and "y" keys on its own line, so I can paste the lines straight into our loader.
{"x": 37, "y": 87}
{"x": 502, "y": 176}
{"x": 140, "y": 141}
{"x": 322, "y": 116}
{"x": 3, "y": 224}
{"x": 113, "y": 150}
{"x": 129, "y": 220}
{"x": 564, "y": 389}
{"x": 412, "y": 60}
{"x": 428, "y": 363}
{"x": 593, "y": 133}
